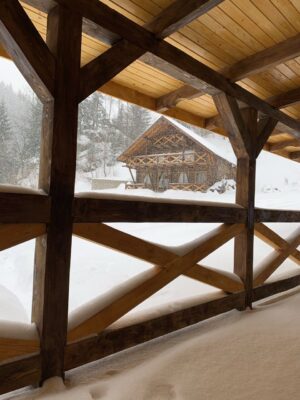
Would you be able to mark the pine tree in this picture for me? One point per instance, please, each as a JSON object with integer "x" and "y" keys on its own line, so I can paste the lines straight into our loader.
{"x": 6, "y": 161}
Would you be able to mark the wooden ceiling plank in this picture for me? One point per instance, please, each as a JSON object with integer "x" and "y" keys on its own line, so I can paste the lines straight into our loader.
{"x": 26, "y": 47}
{"x": 179, "y": 14}
{"x": 251, "y": 65}
{"x": 122, "y": 54}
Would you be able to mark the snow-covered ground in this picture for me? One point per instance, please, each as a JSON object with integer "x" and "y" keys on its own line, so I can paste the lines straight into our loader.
{"x": 236, "y": 356}
{"x": 95, "y": 269}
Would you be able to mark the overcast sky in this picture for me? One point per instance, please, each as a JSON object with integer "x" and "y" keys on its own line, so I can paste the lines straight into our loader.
{"x": 9, "y": 74}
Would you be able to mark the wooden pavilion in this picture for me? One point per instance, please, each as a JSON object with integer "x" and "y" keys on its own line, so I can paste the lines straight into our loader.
{"x": 229, "y": 65}
{"x": 170, "y": 156}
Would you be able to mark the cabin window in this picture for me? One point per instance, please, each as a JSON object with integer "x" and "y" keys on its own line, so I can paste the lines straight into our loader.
{"x": 183, "y": 178}
{"x": 201, "y": 177}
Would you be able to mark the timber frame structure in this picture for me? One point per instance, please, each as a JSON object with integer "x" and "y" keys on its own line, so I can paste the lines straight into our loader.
{"x": 169, "y": 156}
{"x": 54, "y": 71}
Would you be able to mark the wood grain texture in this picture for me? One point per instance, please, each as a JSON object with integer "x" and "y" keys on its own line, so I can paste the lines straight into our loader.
{"x": 24, "y": 208}
{"x": 11, "y": 348}
{"x": 267, "y": 215}
{"x": 109, "y": 210}
{"x": 184, "y": 66}
{"x": 160, "y": 278}
{"x": 52, "y": 263}
{"x": 26, "y": 47}
{"x": 270, "y": 264}
{"x": 271, "y": 238}
{"x": 141, "y": 249}
{"x": 14, "y": 234}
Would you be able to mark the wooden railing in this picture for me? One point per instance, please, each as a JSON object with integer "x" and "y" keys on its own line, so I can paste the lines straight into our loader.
{"x": 92, "y": 338}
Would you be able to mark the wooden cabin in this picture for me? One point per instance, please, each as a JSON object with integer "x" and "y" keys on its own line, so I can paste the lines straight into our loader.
{"x": 230, "y": 66}
{"x": 171, "y": 156}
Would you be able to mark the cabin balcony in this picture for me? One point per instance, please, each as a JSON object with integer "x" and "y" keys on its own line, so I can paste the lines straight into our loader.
{"x": 167, "y": 159}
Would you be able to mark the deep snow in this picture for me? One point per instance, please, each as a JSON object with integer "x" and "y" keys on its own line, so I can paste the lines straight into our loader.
{"x": 236, "y": 356}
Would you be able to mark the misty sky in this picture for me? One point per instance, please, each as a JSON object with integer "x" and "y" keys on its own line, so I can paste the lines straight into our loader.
{"x": 9, "y": 74}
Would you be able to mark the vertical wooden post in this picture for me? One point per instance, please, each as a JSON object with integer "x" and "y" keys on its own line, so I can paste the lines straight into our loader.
{"x": 245, "y": 196}
{"x": 242, "y": 128}
{"x": 57, "y": 176}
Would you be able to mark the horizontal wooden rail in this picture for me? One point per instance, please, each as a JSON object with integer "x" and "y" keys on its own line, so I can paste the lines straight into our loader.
{"x": 110, "y": 210}
{"x": 21, "y": 208}
{"x": 266, "y": 215}
{"x": 25, "y": 371}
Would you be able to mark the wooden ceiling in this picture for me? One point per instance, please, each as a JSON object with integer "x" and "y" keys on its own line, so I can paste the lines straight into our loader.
{"x": 252, "y": 42}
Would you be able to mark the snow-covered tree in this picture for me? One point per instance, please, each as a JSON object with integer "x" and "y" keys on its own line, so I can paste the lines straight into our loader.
{"x": 6, "y": 161}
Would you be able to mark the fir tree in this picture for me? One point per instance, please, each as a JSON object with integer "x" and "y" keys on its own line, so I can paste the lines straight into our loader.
{"x": 6, "y": 161}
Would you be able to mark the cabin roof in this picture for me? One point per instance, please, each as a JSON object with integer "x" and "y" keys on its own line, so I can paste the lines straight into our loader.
{"x": 211, "y": 145}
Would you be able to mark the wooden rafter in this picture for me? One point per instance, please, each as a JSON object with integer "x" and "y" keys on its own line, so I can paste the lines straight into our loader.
{"x": 27, "y": 48}
{"x": 251, "y": 65}
{"x": 107, "y": 65}
{"x": 179, "y": 14}
{"x": 182, "y": 65}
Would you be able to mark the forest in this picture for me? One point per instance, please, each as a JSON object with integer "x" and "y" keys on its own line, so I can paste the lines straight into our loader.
{"x": 106, "y": 127}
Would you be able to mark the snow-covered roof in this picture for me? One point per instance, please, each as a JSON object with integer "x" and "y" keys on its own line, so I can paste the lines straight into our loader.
{"x": 218, "y": 144}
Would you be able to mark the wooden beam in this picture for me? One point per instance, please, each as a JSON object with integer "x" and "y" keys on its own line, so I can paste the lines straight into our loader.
{"x": 271, "y": 238}
{"x": 276, "y": 258}
{"x": 178, "y": 14}
{"x": 110, "y": 210}
{"x": 106, "y": 66}
{"x": 285, "y": 99}
{"x": 160, "y": 277}
{"x": 283, "y": 144}
{"x": 11, "y": 348}
{"x": 141, "y": 249}
{"x": 251, "y": 65}
{"x": 171, "y": 99}
{"x": 19, "y": 373}
{"x": 24, "y": 208}
{"x": 14, "y": 234}
{"x": 52, "y": 262}
{"x": 268, "y": 215}
{"x": 270, "y": 289}
{"x": 113, "y": 61}
{"x": 265, "y": 128}
{"x": 183, "y": 66}
{"x": 241, "y": 140}
{"x": 264, "y": 59}
{"x": 295, "y": 155}
{"x": 27, "y": 48}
